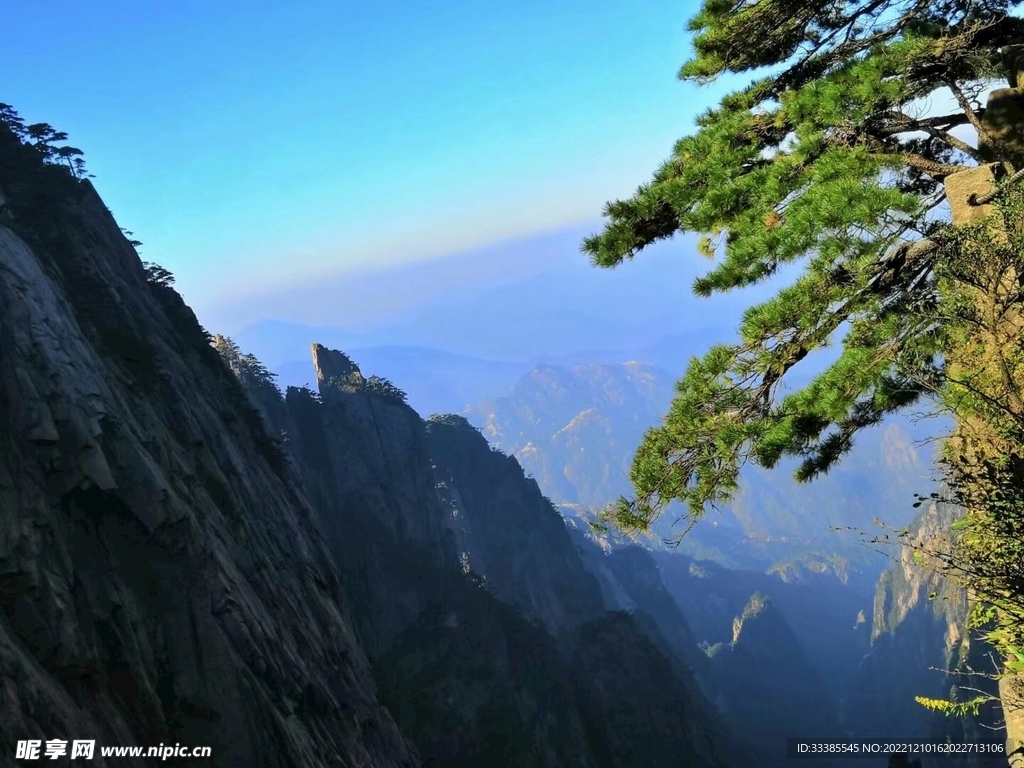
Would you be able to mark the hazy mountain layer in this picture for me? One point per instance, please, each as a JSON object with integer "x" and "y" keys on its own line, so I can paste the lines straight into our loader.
{"x": 532, "y": 300}
{"x": 575, "y": 430}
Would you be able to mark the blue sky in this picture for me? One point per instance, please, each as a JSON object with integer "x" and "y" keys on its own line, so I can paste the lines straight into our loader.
{"x": 256, "y": 145}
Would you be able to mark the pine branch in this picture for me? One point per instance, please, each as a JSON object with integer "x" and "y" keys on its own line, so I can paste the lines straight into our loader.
{"x": 931, "y": 167}
{"x": 906, "y": 124}
{"x": 970, "y": 113}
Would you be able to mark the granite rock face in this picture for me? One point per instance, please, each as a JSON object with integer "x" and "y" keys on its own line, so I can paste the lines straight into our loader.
{"x": 764, "y": 662}
{"x": 365, "y": 462}
{"x": 641, "y": 714}
{"x": 468, "y": 677}
{"x": 475, "y": 682}
{"x": 468, "y": 591}
{"x": 380, "y": 443}
{"x": 162, "y": 576}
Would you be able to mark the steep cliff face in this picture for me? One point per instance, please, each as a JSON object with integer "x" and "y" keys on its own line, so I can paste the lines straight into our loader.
{"x": 920, "y": 647}
{"x": 631, "y": 582}
{"x": 763, "y": 662}
{"x": 380, "y": 455}
{"x": 639, "y": 713}
{"x": 468, "y": 677}
{"x": 639, "y": 700}
{"x": 826, "y": 612}
{"x": 364, "y": 459}
{"x": 162, "y": 577}
{"x": 474, "y": 682}
{"x": 509, "y": 533}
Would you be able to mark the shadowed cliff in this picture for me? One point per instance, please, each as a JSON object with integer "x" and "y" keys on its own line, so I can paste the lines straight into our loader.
{"x": 509, "y": 533}
{"x": 162, "y": 575}
{"x": 468, "y": 592}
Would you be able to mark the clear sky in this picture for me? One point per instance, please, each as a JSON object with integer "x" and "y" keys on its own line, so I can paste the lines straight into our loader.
{"x": 255, "y": 144}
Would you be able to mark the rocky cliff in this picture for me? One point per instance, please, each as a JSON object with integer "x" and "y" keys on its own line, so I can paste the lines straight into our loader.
{"x": 163, "y": 577}
{"x": 631, "y": 582}
{"x": 741, "y": 651}
{"x": 508, "y": 532}
{"x": 471, "y": 679}
{"x": 920, "y": 646}
{"x": 767, "y": 681}
{"x": 365, "y": 459}
{"x": 484, "y": 602}
{"x": 823, "y": 613}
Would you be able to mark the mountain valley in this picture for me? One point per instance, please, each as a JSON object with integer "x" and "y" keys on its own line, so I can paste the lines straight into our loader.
{"x": 305, "y": 569}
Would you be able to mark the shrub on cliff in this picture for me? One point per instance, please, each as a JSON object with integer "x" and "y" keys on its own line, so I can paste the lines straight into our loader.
{"x": 249, "y": 370}
{"x": 382, "y": 387}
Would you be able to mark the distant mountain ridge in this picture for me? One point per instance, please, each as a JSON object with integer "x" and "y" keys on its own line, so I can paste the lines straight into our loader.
{"x": 442, "y": 381}
{"x": 535, "y": 299}
{"x": 576, "y": 430}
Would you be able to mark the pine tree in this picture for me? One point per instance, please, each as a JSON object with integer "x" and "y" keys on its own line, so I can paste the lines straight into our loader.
{"x": 43, "y": 138}
{"x": 835, "y": 158}
{"x": 831, "y": 160}
{"x": 246, "y": 366}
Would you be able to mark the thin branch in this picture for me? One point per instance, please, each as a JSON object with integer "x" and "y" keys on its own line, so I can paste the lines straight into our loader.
{"x": 904, "y": 123}
{"x": 945, "y": 122}
{"x": 931, "y": 167}
{"x": 969, "y": 112}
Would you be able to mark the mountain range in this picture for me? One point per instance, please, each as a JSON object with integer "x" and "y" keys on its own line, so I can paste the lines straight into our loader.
{"x": 533, "y": 300}
{"x": 575, "y": 429}
{"x": 319, "y": 576}
{"x": 309, "y": 578}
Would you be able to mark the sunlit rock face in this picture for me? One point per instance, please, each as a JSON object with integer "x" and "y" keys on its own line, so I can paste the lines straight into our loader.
{"x": 920, "y": 646}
